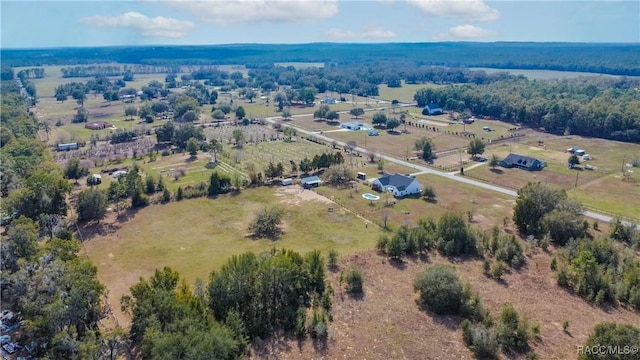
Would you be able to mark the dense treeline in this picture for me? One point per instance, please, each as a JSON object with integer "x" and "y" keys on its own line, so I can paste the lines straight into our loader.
{"x": 34, "y": 73}
{"x": 618, "y": 59}
{"x": 55, "y": 292}
{"x": 600, "y": 107}
{"x": 113, "y": 70}
{"x": 250, "y": 296}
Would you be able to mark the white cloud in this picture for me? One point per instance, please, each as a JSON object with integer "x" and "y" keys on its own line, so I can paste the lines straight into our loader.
{"x": 471, "y": 10}
{"x": 158, "y": 26}
{"x": 369, "y": 33}
{"x": 465, "y": 31}
{"x": 227, "y": 12}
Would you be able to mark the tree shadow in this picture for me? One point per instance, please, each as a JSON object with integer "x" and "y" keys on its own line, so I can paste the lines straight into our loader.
{"x": 358, "y": 296}
{"x": 451, "y": 322}
{"x": 320, "y": 345}
{"x": 397, "y": 263}
{"x": 496, "y": 171}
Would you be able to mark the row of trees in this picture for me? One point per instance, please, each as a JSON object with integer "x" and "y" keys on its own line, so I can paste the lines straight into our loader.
{"x": 250, "y": 296}
{"x": 56, "y": 293}
{"x": 599, "y": 107}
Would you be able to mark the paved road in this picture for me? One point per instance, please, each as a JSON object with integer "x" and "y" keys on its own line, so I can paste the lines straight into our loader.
{"x": 426, "y": 170}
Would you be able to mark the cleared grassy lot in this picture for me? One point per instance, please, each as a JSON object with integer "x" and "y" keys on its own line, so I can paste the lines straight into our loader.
{"x": 403, "y": 94}
{"x": 196, "y": 236}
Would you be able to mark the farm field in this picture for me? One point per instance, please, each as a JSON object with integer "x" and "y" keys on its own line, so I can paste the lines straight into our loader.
{"x": 387, "y": 317}
{"x": 196, "y": 236}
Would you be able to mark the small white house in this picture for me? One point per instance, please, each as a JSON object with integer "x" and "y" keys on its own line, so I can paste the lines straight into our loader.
{"x": 287, "y": 181}
{"x": 117, "y": 174}
{"x": 397, "y": 184}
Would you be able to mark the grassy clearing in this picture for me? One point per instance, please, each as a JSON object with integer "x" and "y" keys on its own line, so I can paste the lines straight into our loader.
{"x": 607, "y": 155}
{"x": 403, "y": 94}
{"x": 300, "y": 65}
{"x": 196, "y": 170}
{"x": 196, "y": 236}
{"x": 611, "y": 194}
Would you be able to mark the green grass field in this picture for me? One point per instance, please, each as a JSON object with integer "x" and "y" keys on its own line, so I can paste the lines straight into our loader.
{"x": 611, "y": 194}
{"x": 196, "y": 236}
{"x": 403, "y": 94}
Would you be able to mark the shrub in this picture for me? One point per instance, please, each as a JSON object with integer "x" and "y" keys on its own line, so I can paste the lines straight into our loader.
{"x": 301, "y": 319}
{"x": 318, "y": 327}
{"x": 454, "y": 237}
{"x": 619, "y": 336}
{"x": 440, "y": 289}
{"x": 498, "y": 270}
{"x": 554, "y": 264}
{"x": 535, "y": 330}
{"x": 332, "y": 259}
{"x": 512, "y": 334}
{"x": 381, "y": 245}
{"x": 484, "y": 343}
{"x": 267, "y": 222}
{"x": 565, "y": 325}
{"x": 486, "y": 267}
{"x": 353, "y": 281}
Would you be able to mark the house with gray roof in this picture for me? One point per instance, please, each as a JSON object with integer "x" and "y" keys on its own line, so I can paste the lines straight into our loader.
{"x": 397, "y": 184}
{"x": 522, "y": 162}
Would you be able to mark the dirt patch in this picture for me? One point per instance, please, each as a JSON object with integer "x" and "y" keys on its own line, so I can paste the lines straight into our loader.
{"x": 294, "y": 195}
{"x": 386, "y": 323}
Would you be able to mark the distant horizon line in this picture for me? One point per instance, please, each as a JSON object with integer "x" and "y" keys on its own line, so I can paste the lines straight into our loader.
{"x": 318, "y": 43}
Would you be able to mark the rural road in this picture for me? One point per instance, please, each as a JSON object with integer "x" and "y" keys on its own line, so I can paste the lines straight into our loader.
{"x": 426, "y": 170}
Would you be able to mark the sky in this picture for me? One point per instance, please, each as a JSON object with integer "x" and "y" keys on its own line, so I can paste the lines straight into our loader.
{"x": 36, "y": 24}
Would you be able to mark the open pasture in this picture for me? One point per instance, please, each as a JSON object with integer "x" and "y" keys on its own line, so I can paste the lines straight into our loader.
{"x": 53, "y": 78}
{"x": 166, "y": 167}
{"x": 607, "y": 155}
{"x": 403, "y": 94}
{"x": 196, "y": 236}
{"x": 612, "y": 195}
{"x": 400, "y": 144}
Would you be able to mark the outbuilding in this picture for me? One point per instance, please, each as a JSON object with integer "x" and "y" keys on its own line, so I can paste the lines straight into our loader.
{"x": 309, "y": 182}
{"x": 287, "y": 182}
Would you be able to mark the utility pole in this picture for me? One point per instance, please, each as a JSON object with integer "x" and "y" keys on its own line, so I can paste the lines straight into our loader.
{"x": 577, "y": 173}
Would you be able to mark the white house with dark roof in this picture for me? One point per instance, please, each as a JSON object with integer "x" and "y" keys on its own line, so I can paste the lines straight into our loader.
{"x": 432, "y": 109}
{"x": 397, "y": 184}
